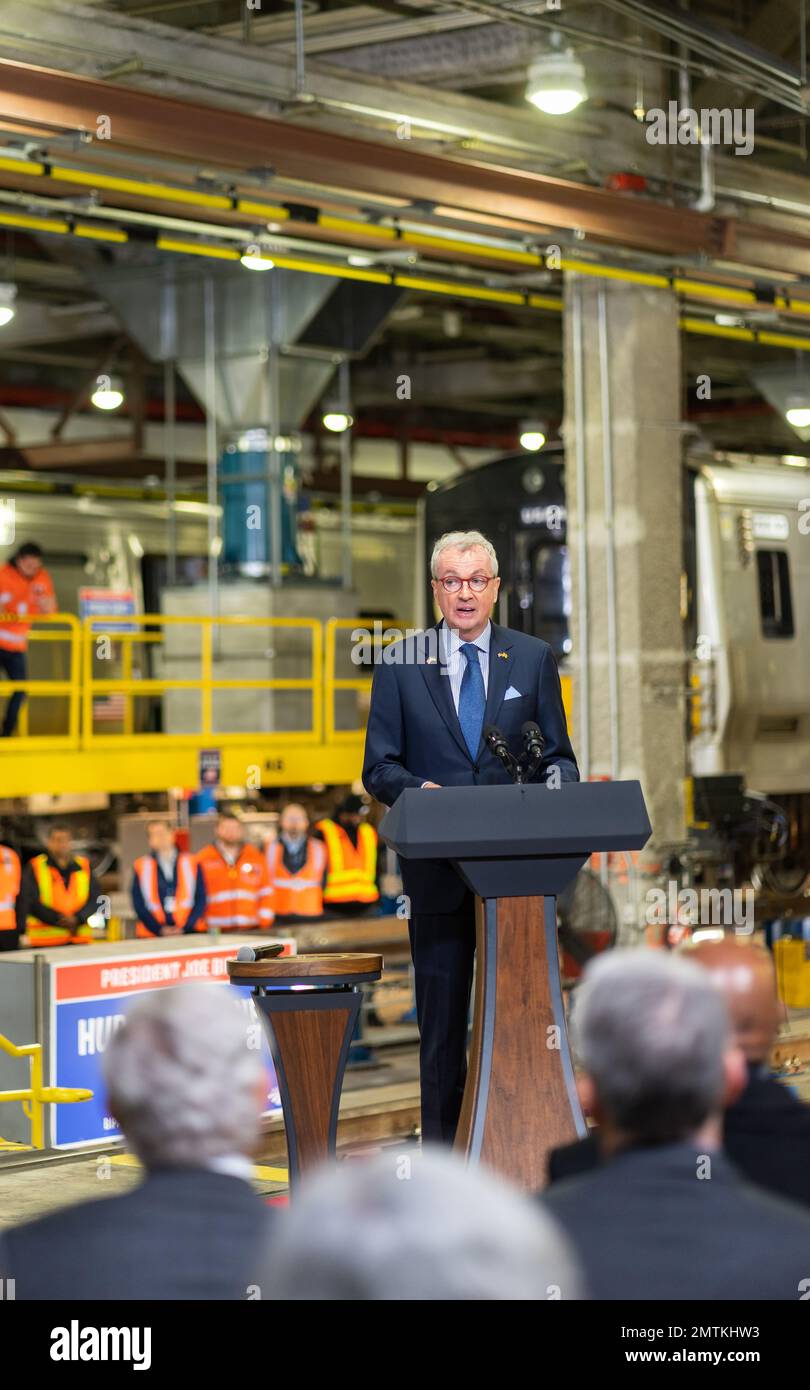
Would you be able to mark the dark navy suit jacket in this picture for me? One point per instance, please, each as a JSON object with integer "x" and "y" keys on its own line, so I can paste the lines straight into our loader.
{"x": 414, "y": 735}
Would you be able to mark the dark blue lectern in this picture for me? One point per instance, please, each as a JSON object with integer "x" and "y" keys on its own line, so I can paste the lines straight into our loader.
{"x": 517, "y": 847}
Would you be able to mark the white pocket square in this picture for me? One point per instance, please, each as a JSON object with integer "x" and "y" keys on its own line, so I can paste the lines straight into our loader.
{"x": 512, "y": 694}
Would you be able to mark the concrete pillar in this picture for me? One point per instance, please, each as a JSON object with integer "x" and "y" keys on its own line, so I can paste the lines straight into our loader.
{"x": 627, "y": 401}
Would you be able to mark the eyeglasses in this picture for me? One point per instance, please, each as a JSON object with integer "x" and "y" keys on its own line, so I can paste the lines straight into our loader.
{"x": 452, "y": 584}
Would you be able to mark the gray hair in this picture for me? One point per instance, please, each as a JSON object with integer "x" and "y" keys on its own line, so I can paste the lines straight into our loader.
{"x": 463, "y": 541}
{"x": 181, "y": 1079}
{"x": 651, "y": 1031}
{"x": 417, "y": 1226}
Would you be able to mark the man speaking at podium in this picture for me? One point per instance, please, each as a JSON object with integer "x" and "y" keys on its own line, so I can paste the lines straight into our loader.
{"x": 432, "y": 698}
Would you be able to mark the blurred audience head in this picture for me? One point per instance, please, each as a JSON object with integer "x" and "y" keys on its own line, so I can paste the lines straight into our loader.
{"x": 181, "y": 1080}
{"x": 416, "y": 1226}
{"x": 654, "y": 1039}
{"x": 745, "y": 975}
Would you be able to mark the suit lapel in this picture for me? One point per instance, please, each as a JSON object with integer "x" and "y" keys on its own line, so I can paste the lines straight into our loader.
{"x": 500, "y": 669}
{"x": 438, "y": 683}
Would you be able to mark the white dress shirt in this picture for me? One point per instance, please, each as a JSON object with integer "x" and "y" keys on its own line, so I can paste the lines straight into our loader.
{"x": 454, "y": 661}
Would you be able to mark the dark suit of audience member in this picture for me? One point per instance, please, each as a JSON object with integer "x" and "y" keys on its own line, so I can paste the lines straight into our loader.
{"x": 187, "y": 1090}
{"x": 665, "y": 1214}
{"x": 766, "y": 1136}
{"x": 766, "y": 1132}
{"x": 186, "y": 1233}
{"x": 647, "y": 1226}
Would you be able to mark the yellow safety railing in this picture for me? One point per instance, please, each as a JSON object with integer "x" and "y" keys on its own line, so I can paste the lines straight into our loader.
{"x": 35, "y": 1096}
{"x": 205, "y": 683}
{"x": 60, "y": 628}
{"x": 88, "y": 693}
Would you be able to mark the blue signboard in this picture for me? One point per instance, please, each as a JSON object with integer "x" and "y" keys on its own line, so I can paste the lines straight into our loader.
{"x": 89, "y": 1000}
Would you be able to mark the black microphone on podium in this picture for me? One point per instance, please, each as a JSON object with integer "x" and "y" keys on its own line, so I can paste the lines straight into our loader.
{"x": 497, "y": 744}
{"x": 274, "y": 948}
{"x": 533, "y": 743}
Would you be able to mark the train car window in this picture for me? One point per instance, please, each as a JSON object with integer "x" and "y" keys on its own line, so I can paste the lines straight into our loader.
{"x": 541, "y": 601}
{"x": 775, "y": 602}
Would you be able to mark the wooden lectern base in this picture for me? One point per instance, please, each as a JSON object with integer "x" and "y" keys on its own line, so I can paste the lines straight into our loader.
{"x": 520, "y": 1099}
{"x": 309, "y": 1006}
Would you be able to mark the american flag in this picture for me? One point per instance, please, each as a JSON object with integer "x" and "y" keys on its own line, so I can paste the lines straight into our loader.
{"x": 108, "y": 710}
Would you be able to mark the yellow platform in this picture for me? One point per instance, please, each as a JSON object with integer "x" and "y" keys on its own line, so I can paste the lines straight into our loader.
{"x": 87, "y": 725}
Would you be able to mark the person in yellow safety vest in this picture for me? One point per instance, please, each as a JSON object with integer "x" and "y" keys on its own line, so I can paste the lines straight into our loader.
{"x": 60, "y": 894}
{"x": 238, "y": 890}
{"x": 351, "y": 847}
{"x": 10, "y": 876}
{"x": 297, "y": 864}
{"x": 167, "y": 888}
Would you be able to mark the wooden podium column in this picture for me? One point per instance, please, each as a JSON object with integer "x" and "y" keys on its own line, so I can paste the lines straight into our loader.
{"x": 520, "y": 1099}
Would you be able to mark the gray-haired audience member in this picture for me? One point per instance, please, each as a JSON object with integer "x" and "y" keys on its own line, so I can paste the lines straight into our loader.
{"x": 187, "y": 1091}
{"x": 416, "y": 1226}
{"x": 666, "y": 1216}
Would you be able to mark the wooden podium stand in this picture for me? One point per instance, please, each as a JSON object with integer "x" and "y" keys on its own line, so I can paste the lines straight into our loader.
{"x": 517, "y": 847}
{"x": 309, "y": 1007}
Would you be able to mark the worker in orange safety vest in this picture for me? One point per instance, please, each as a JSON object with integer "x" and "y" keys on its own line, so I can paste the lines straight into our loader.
{"x": 297, "y": 864}
{"x": 167, "y": 888}
{"x": 26, "y": 588}
{"x": 238, "y": 889}
{"x": 10, "y": 876}
{"x": 351, "y": 846}
{"x": 59, "y": 894}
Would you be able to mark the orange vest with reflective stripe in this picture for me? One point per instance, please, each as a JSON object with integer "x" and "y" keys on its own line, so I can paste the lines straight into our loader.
{"x": 147, "y": 871}
{"x": 238, "y": 896}
{"x": 9, "y": 887}
{"x": 298, "y": 894}
{"x": 54, "y": 894}
{"x": 19, "y": 595}
{"x": 352, "y": 873}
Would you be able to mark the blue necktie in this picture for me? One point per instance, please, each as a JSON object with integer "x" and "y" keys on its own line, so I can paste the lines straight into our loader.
{"x": 472, "y": 699}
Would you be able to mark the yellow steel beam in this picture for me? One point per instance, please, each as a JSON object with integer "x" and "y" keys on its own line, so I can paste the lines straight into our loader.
{"x": 133, "y": 767}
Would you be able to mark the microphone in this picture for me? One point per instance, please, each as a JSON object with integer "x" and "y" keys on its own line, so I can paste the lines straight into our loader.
{"x": 497, "y": 744}
{"x": 260, "y": 952}
{"x": 533, "y": 743}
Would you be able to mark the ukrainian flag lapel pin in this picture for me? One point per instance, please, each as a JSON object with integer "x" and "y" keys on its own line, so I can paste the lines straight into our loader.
{"x": 504, "y": 655}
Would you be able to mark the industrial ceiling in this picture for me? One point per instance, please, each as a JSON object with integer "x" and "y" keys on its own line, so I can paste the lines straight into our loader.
{"x": 390, "y": 147}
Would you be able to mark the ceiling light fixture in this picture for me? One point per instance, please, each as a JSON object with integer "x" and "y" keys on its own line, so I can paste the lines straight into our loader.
{"x": 254, "y": 259}
{"x": 109, "y": 393}
{"x": 797, "y": 413}
{"x": 338, "y": 421}
{"x": 556, "y": 83}
{"x": 8, "y": 293}
{"x": 532, "y": 436}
